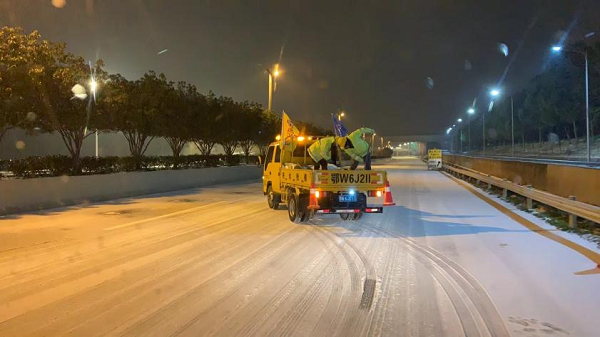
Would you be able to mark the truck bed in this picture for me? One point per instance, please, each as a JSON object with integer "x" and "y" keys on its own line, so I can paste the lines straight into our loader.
{"x": 333, "y": 180}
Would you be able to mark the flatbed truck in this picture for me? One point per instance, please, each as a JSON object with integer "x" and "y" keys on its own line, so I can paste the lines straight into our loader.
{"x": 289, "y": 178}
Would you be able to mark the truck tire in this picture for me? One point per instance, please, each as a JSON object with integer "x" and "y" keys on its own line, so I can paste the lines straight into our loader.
{"x": 303, "y": 203}
{"x": 273, "y": 199}
{"x": 344, "y": 216}
{"x": 295, "y": 212}
{"x": 356, "y": 216}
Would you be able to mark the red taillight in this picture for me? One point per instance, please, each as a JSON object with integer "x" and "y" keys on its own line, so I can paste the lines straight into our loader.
{"x": 377, "y": 193}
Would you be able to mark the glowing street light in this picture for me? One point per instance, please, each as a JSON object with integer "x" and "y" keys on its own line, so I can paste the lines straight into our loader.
{"x": 494, "y": 92}
{"x": 273, "y": 74}
{"x": 558, "y": 49}
{"x": 93, "y": 89}
{"x": 459, "y": 120}
{"x": 471, "y": 111}
{"x": 373, "y": 142}
{"x": 93, "y": 86}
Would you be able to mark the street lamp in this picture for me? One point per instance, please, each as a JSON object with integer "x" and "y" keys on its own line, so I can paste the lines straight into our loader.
{"x": 272, "y": 83}
{"x": 470, "y": 111}
{"x": 340, "y": 114}
{"x": 494, "y": 93}
{"x": 557, "y": 49}
{"x": 93, "y": 89}
{"x": 372, "y": 142}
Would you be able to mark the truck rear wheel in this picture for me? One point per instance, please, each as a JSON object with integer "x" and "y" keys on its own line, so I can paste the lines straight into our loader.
{"x": 295, "y": 211}
{"x": 356, "y": 216}
{"x": 273, "y": 199}
{"x": 344, "y": 216}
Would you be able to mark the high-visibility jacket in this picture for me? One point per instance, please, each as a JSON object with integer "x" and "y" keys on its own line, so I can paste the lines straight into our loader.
{"x": 360, "y": 147}
{"x": 321, "y": 149}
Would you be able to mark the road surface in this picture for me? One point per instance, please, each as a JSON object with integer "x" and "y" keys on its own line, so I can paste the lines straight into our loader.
{"x": 217, "y": 261}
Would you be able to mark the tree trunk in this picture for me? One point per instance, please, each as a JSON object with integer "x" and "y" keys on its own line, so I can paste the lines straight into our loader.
{"x": 262, "y": 150}
{"x": 246, "y": 146}
{"x": 540, "y": 139}
{"x": 575, "y": 132}
{"x": 2, "y": 133}
{"x": 138, "y": 144}
{"x": 176, "y": 145}
{"x": 73, "y": 140}
{"x": 204, "y": 147}
{"x": 567, "y": 133}
{"x": 229, "y": 149}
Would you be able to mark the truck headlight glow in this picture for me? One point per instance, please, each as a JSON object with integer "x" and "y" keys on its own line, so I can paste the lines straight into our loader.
{"x": 351, "y": 192}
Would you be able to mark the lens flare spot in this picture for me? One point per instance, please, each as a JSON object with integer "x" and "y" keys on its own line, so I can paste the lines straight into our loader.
{"x": 31, "y": 116}
{"x": 503, "y": 48}
{"x": 429, "y": 83}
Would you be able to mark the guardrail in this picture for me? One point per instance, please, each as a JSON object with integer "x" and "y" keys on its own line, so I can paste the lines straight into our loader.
{"x": 590, "y": 164}
{"x": 570, "y": 205}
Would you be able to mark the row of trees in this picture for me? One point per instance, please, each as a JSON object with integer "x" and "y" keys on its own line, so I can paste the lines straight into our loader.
{"x": 553, "y": 103}
{"x": 37, "y": 79}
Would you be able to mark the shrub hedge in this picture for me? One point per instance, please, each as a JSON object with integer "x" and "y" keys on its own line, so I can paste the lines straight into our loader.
{"x": 52, "y": 166}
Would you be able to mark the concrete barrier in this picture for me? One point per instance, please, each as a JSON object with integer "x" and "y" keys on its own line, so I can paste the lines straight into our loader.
{"x": 565, "y": 181}
{"x": 20, "y": 195}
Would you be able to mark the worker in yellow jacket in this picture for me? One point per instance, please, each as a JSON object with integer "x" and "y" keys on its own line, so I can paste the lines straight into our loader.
{"x": 357, "y": 148}
{"x": 322, "y": 151}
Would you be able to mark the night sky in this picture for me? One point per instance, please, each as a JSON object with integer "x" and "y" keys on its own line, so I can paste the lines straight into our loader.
{"x": 370, "y": 58}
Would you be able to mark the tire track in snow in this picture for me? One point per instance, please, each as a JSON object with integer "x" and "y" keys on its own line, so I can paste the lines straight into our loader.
{"x": 462, "y": 288}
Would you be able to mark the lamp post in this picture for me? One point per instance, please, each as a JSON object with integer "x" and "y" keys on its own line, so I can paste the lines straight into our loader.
{"x": 93, "y": 88}
{"x": 470, "y": 112}
{"x": 272, "y": 84}
{"x": 494, "y": 93}
{"x": 372, "y": 142}
{"x": 558, "y": 49}
{"x": 512, "y": 126}
{"x": 460, "y": 136}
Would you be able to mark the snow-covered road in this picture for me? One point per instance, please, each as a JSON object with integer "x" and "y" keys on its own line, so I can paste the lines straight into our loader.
{"x": 218, "y": 261}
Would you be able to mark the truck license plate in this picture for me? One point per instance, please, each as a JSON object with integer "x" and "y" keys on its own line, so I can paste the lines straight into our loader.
{"x": 347, "y": 198}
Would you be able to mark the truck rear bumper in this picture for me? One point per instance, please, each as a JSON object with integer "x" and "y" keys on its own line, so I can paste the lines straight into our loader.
{"x": 369, "y": 209}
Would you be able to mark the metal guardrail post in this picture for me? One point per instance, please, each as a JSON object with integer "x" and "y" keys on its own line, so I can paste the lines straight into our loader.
{"x": 572, "y": 217}
{"x": 529, "y": 200}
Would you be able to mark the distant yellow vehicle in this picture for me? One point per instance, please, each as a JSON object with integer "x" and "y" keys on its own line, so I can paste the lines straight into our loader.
{"x": 288, "y": 178}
